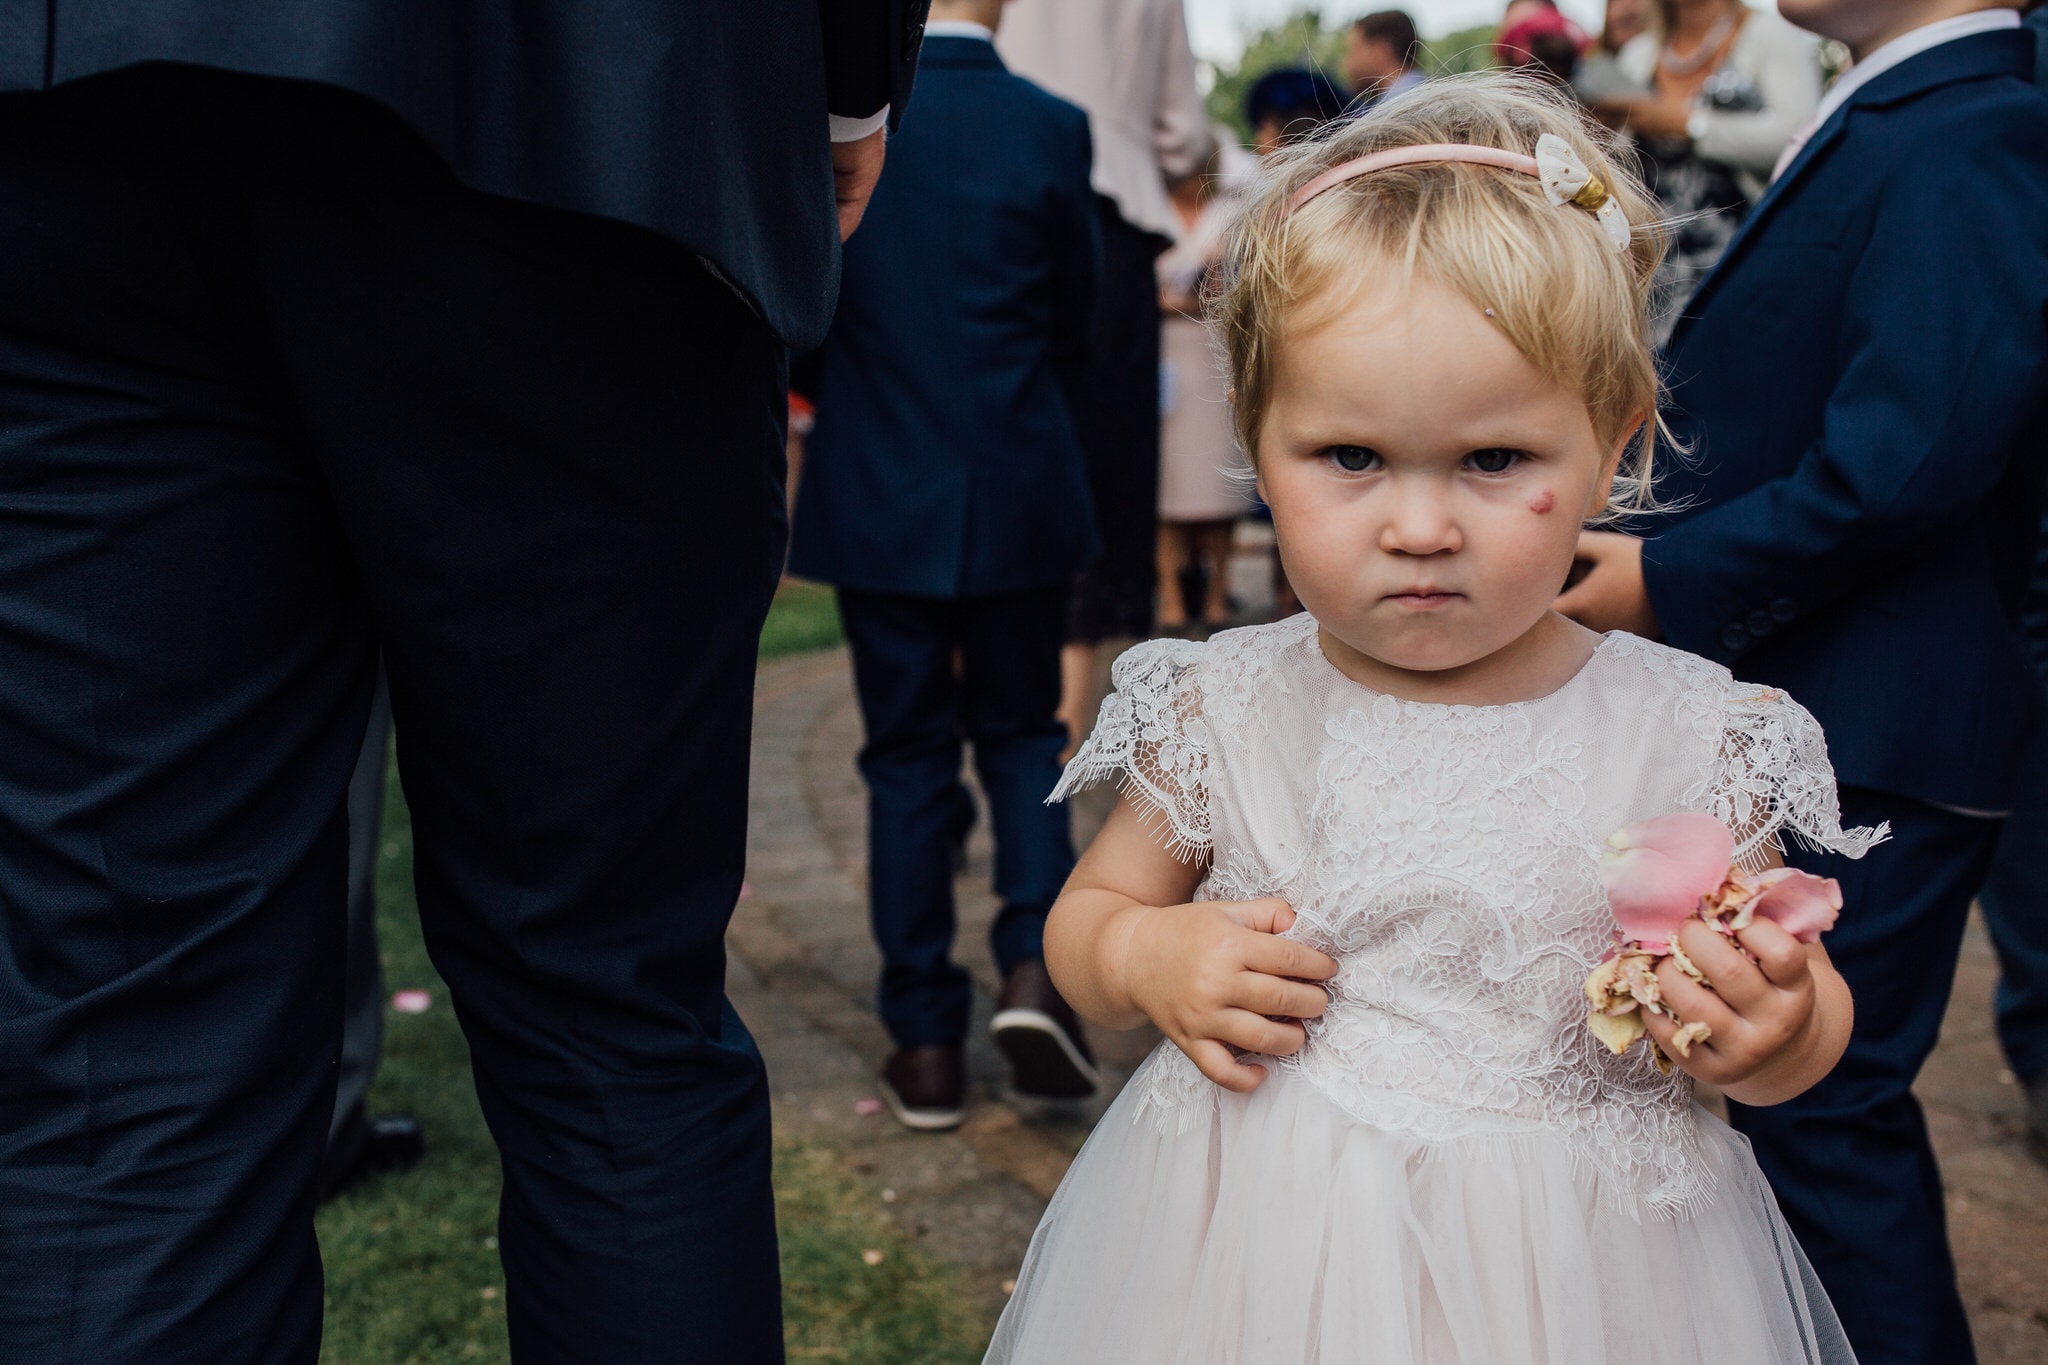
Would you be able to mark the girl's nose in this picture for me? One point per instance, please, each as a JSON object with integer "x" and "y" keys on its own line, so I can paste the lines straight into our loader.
{"x": 1419, "y": 522}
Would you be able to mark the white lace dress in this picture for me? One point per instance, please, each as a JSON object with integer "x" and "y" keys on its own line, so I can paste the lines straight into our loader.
{"x": 1451, "y": 1169}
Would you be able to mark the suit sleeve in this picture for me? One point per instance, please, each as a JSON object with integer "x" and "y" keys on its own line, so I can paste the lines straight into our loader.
{"x": 1077, "y": 258}
{"x": 871, "y": 49}
{"x": 1944, "y": 346}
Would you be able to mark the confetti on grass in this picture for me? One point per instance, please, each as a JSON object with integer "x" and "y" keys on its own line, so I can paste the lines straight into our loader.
{"x": 412, "y": 1002}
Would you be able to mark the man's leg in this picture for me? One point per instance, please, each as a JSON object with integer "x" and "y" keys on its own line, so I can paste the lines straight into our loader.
{"x": 1010, "y": 648}
{"x": 362, "y": 1019}
{"x": 2015, "y": 903}
{"x": 1849, "y": 1160}
{"x": 188, "y": 667}
{"x": 1115, "y": 400}
{"x": 903, "y": 650}
{"x": 554, "y": 445}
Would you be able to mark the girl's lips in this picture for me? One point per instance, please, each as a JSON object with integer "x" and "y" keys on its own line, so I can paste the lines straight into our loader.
{"x": 1423, "y": 601}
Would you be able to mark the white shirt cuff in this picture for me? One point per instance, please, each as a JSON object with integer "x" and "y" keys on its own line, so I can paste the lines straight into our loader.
{"x": 854, "y": 129}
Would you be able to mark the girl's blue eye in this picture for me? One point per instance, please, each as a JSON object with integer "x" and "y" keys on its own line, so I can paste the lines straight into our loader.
{"x": 1353, "y": 459}
{"x": 1498, "y": 460}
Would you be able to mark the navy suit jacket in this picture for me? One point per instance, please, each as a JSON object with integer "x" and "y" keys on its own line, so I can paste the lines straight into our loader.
{"x": 704, "y": 120}
{"x": 944, "y": 463}
{"x": 1861, "y": 381}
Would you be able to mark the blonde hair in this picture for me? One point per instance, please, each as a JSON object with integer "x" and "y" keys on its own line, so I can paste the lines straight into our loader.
{"x": 1550, "y": 279}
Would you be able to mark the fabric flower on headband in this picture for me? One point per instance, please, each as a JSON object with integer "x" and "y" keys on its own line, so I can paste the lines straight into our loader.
{"x": 1567, "y": 180}
{"x": 1659, "y": 874}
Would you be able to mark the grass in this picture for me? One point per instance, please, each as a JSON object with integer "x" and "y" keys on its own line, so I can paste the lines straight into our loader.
{"x": 805, "y": 616}
{"x": 412, "y": 1262}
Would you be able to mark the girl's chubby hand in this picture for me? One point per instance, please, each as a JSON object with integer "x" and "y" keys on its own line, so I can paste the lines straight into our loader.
{"x": 1125, "y": 944}
{"x": 1214, "y": 975}
{"x": 1778, "y": 1023}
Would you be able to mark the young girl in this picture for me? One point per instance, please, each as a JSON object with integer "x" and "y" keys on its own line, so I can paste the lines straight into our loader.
{"x": 1355, "y": 876}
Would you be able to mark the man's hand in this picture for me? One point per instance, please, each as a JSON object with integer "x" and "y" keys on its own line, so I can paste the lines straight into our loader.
{"x": 856, "y": 166}
{"x": 1215, "y": 976}
{"x": 1611, "y": 596}
{"x": 1779, "y": 1023}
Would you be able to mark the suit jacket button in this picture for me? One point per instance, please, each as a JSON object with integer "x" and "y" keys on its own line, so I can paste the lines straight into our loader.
{"x": 1735, "y": 637}
{"x": 1760, "y": 624}
{"x": 1784, "y": 609}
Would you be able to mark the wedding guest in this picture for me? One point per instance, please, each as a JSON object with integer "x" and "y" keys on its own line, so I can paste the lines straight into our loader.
{"x": 2015, "y": 895}
{"x": 357, "y": 1143}
{"x": 1861, "y": 381}
{"x": 1127, "y": 63}
{"x": 1725, "y": 88}
{"x": 1349, "y": 873}
{"x": 947, "y": 499}
{"x": 1383, "y": 55}
{"x": 456, "y": 332}
{"x": 1201, "y": 491}
{"x": 1288, "y": 104}
{"x": 1624, "y": 22}
{"x": 1599, "y": 77}
{"x": 1535, "y": 33}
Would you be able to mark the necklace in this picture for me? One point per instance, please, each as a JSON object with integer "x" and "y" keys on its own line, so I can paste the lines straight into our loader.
{"x": 1709, "y": 48}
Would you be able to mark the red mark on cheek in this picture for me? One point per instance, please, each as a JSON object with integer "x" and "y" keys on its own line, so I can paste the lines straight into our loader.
{"x": 1543, "y": 502}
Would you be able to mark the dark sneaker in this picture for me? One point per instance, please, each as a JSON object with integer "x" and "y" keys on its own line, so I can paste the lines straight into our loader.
{"x": 1037, "y": 1031}
{"x": 926, "y": 1086}
{"x": 2037, "y": 1115}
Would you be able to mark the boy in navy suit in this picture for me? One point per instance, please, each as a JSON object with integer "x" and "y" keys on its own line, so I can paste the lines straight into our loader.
{"x": 1861, "y": 381}
{"x": 946, "y": 497}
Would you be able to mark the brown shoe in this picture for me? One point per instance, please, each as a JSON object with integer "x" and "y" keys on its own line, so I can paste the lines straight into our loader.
{"x": 1038, "y": 1032}
{"x": 926, "y": 1086}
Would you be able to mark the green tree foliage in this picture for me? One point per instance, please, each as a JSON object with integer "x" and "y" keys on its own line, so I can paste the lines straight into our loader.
{"x": 1299, "y": 41}
{"x": 1304, "y": 40}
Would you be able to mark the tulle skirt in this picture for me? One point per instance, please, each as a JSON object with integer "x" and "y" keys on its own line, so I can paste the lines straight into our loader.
{"x": 1276, "y": 1230}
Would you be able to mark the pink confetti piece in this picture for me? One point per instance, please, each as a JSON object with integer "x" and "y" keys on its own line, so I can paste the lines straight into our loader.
{"x": 867, "y": 1106}
{"x": 746, "y": 890}
{"x": 411, "y": 1002}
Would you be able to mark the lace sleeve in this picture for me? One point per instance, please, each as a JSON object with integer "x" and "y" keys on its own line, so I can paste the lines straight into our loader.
{"x": 1773, "y": 777}
{"x": 1151, "y": 736}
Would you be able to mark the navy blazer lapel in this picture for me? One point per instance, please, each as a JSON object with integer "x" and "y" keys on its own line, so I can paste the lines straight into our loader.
{"x": 1972, "y": 58}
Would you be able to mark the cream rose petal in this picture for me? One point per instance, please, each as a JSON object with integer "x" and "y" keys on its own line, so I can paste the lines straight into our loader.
{"x": 1617, "y": 1031}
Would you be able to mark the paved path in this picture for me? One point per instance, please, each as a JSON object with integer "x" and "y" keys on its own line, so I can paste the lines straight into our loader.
{"x": 803, "y": 973}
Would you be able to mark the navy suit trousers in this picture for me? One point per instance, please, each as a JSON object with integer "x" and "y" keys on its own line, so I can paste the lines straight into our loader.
{"x": 2015, "y": 902}
{"x": 932, "y": 673}
{"x": 1849, "y": 1160}
{"x": 276, "y": 392}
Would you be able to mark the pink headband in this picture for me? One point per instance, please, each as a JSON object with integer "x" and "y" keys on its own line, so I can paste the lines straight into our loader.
{"x": 1565, "y": 176}
{"x": 1425, "y": 154}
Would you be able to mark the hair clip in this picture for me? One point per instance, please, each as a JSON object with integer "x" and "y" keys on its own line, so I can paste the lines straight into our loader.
{"x": 1567, "y": 180}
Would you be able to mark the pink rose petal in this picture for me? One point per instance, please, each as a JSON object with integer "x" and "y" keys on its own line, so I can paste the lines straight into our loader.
{"x": 1803, "y": 905}
{"x": 411, "y": 1002}
{"x": 1655, "y": 872}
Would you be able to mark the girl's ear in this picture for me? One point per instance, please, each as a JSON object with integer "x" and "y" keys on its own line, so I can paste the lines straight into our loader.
{"x": 1603, "y": 487}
